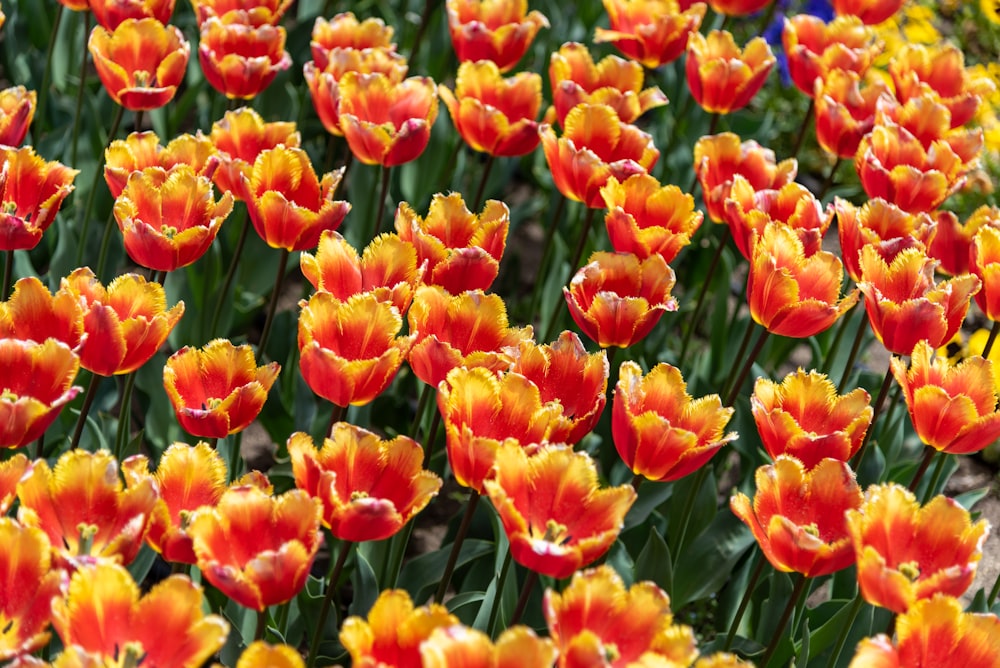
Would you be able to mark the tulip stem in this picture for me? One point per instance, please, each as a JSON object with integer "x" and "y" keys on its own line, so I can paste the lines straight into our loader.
{"x": 8, "y": 273}
{"x": 261, "y": 624}
{"x": 924, "y": 464}
{"x": 79, "y": 94}
{"x": 137, "y": 119}
{"x": 105, "y": 244}
{"x": 637, "y": 480}
{"x": 383, "y": 194}
{"x": 879, "y": 403}
{"x": 991, "y": 599}
{"x": 588, "y": 222}
{"x": 430, "y": 438}
{"x": 802, "y": 128}
{"x": 838, "y": 338}
{"x": 418, "y": 414}
{"x": 713, "y": 123}
{"x": 456, "y": 547}
{"x": 845, "y": 630}
{"x": 550, "y": 232}
{"x": 230, "y": 275}
{"x": 43, "y": 92}
{"x": 88, "y": 400}
{"x": 935, "y": 477}
{"x": 324, "y": 611}
{"x": 273, "y": 304}
{"x": 793, "y": 601}
{"x": 699, "y": 481}
{"x": 853, "y": 355}
{"x": 734, "y": 390}
{"x": 425, "y": 18}
{"x": 482, "y": 183}
{"x": 495, "y": 608}
{"x": 702, "y": 292}
{"x": 994, "y": 331}
{"x": 744, "y": 603}
{"x": 124, "y": 416}
{"x": 94, "y": 182}
{"x": 828, "y": 183}
{"x": 522, "y": 601}
{"x": 336, "y": 415}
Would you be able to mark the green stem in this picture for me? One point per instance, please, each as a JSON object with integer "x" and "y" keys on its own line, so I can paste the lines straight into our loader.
{"x": 456, "y": 547}
{"x": 703, "y": 292}
{"x": 8, "y": 274}
{"x": 838, "y": 338}
{"x": 495, "y": 609}
{"x": 744, "y": 603}
{"x": 425, "y": 17}
{"x": 828, "y": 183}
{"x": 335, "y": 416}
{"x": 258, "y": 633}
{"x": 793, "y": 601}
{"x": 540, "y": 274}
{"x": 935, "y": 477}
{"x": 713, "y": 123}
{"x": 482, "y": 183}
{"x": 79, "y": 93}
{"x": 124, "y": 416}
{"x": 88, "y": 400}
{"x": 273, "y": 304}
{"x": 94, "y": 182}
{"x": 676, "y": 548}
{"x": 324, "y": 611}
{"x": 102, "y": 257}
{"x": 924, "y": 464}
{"x": 853, "y": 355}
{"x": 430, "y": 438}
{"x": 522, "y": 601}
{"x": 137, "y": 121}
{"x": 740, "y": 352}
{"x": 418, "y": 415}
{"x": 879, "y": 403}
{"x": 734, "y": 390}
{"x": 804, "y": 127}
{"x": 994, "y": 331}
{"x": 43, "y": 92}
{"x": 397, "y": 550}
{"x": 581, "y": 244}
{"x": 994, "y": 592}
{"x": 845, "y": 631}
{"x": 383, "y": 194}
{"x": 230, "y": 275}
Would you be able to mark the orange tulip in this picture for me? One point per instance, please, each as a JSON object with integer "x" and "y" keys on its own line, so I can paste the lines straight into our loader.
{"x": 616, "y": 82}
{"x": 394, "y": 631}
{"x": 111, "y": 13}
{"x": 11, "y": 471}
{"x": 289, "y": 206}
{"x": 497, "y": 30}
{"x": 719, "y": 158}
{"x": 386, "y": 122}
{"x": 750, "y": 211}
{"x": 344, "y": 31}
{"x": 845, "y": 111}
{"x": 125, "y": 323}
{"x": 884, "y": 226}
{"x": 984, "y": 262}
{"x": 934, "y": 632}
{"x": 596, "y": 619}
{"x": 217, "y": 390}
{"x": 617, "y": 299}
{"x": 169, "y": 219}
{"x": 722, "y": 77}
{"x": 141, "y": 63}
{"x": 102, "y": 613}
{"x": 260, "y": 654}
{"x": 652, "y": 32}
{"x": 953, "y": 243}
{"x": 790, "y": 292}
{"x": 906, "y": 552}
{"x": 595, "y": 145}
{"x": 257, "y": 549}
{"x": 803, "y": 416}
{"x": 738, "y": 7}
{"x": 350, "y": 350}
{"x": 556, "y": 517}
{"x": 797, "y": 516}
{"x": 645, "y": 218}
{"x": 17, "y": 108}
{"x": 240, "y": 137}
{"x": 36, "y": 381}
{"x": 482, "y": 411}
{"x": 940, "y": 69}
{"x": 28, "y": 586}
{"x": 564, "y": 373}
{"x": 469, "y": 329}
{"x": 904, "y": 304}
{"x": 85, "y": 509}
{"x": 34, "y": 314}
{"x": 241, "y": 52}
{"x": 370, "y": 488}
{"x": 660, "y": 432}
{"x": 871, "y": 12}
{"x": 492, "y": 114}
{"x": 929, "y": 120}
{"x": 140, "y": 150}
{"x": 815, "y": 49}
{"x": 269, "y": 11}
{"x": 462, "y": 250}
{"x": 953, "y": 408}
{"x": 31, "y": 192}
{"x": 461, "y": 647}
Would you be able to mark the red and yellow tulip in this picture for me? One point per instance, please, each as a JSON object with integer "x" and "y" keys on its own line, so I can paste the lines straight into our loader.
{"x": 816, "y": 49}
{"x": 497, "y": 30}
{"x": 845, "y": 110}
{"x": 28, "y": 585}
{"x": 111, "y": 13}
{"x": 140, "y": 150}
{"x": 939, "y": 69}
{"x": 984, "y": 262}
{"x": 241, "y": 53}
{"x": 239, "y": 137}
{"x": 11, "y": 470}
{"x": 953, "y": 243}
{"x": 31, "y": 192}
{"x": 723, "y": 77}
{"x": 461, "y": 647}
{"x": 36, "y": 381}
{"x": 269, "y": 11}
{"x": 344, "y": 31}
{"x": 32, "y": 313}
{"x": 871, "y": 12}
{"x": 260, "y": 654}
{"x": 652, "y": 32}
{"x": 17, "y": 108}
{"x": 883, "y": 226}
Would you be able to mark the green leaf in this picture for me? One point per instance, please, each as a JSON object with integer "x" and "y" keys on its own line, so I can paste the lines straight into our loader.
{"x": 650, "y": 497}
{"x": 653, "y": 562}
{"x": 143, "y": 563}
{"x": 419, "y": 576}
{"x": 709, "y": 560}
{"x": 701, "y": 512}
{"x": 366, "y": 588}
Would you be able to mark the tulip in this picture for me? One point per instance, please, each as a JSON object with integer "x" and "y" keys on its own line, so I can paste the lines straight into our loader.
{"x": 217, "y": 390}
{"x": 906, "y": 552}
{"x": 461, "y": 647}
{"x": 984, "y": 262}
{"x": 32, "y": 313}
{"x": 652, "y": 32}
{"x": 738, "y": 7}
{"x": 241, "y": 53}
{"x": 112, "y": 13}
{"x": 645, "y": 218}
{"x": 816, "y": 49}
{"x": 28, "y": 585}
{"x": 929, "y": 120}
{"x": 370, "y": 488}
{"x": 31, "y": 192}
{"x": 721, "y": 76}
{"x": 394, "y": 631}
{"x": 344, "y": 31}
{"x": 555, "y": 516}
{"x": 797, "y": 516}
{"x": 660, "y": 432}
{"x": 17, "y": 108}
{"x": 954, "y": 242}
{"x": 871, "y": 12}
{"x": 884, "y": 226}
{"x": 260, "y": 654}
{"x": 141, "y": 63}
{"x": 845, "y": 111}
{"x": 239, "y": 138}
{"x": 492, "y": 114}
{"x": 11, "y": 471}
{"x": 941, "y": 69}
{"x": 37, "y": 381}
{"x": 269, "y": 11}
{"x": 140, "y": 150}
{"x": 497, "y": 30}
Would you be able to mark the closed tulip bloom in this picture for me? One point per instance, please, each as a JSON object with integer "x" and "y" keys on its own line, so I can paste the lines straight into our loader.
{"x": 906, "y": 552}
{"x": 882, "y": 225}
{"x": 613, "y": 81}
{"x": 953, "y": 240}
{"x": 290, "y": 207}
{"x": 557, "y": 518}
{"x": 344, "y": 31}
{"x": 495, "y": 115}
{"x": 169, "y": 218}
{"x": 984, "y": 262}
{"x": 17, "y": 108}
{"x": 125, "y": 323}
{"x": 140, "y": 150}
{"x": 645, "y": 218}
{"x": 255, "y": 548}
{"x": 617, "y": 299}
{"x": 394, "y": 630}
{"x": 934, "y": 632}
{"x": 459, "y": 646}
{"x": 141, "y": 63}
{"x": 32, "y": 313}
{"x": 28, "y": 585}
{"x": 370, "y": 488}
{"x": 11, "y": 470}
{"x": 37, "y": 381}
{"x": 85, "y": 509}
{"x": 111, "y": 13}
{"x": 462, "y": 250}
{"x": 719, "y": 158}
{"x": 497, "y": 30}
{"x": 166, "y": 627}
{"x": 905, "y": 305}
{"x": 239, "y": 137}
{"x": 953, "y": 408}
{"x": 594, "y": 146}
{"x": 871, "y": 12}
{"x": 815, "y": 48}
{"x": 241, "y": 53}
{"x": 264, "y": 11}
{"x": 31, "y": 192}
{"x": 722, "y": 77}
{"x": 217, "y": 390}
{"x": 350, "y": 350}
{"x": 469, "y": 329}
{"x": 749, "y": 212}
{"x": 845, "y": 110}
{"x": 652, "y": 32}
{"x": 803, "y": 416}
{"x": 797, "y": 515}
{"x": 597, "y": 618}
{"x": 659, "y": 430}
{"x": 918, "y": 68}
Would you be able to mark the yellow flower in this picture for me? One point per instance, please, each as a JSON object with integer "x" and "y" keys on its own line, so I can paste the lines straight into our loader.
{"x": 990, "y": 9}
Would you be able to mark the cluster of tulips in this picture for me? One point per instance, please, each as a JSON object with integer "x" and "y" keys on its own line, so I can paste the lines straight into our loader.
{"x": 518, "y": 412}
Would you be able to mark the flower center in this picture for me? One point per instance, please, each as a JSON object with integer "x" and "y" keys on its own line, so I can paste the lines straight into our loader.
{"x": 169, "y": 231}
{"x": 9, "y": 208}
{"x": 87, "y": 533}
{"x": 358, "y": 495}
{"x": 143, "y": 79}
{"x": 911, "y": 569}
{"x": 556, "y": 533}
{"x": 8, "y": 395}
{"x": 811, "y": 529}
{"x": 212, "y": 403}
{"x": 611, "y": 652}
{"x": 133, "y": 654}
